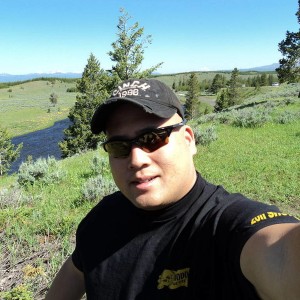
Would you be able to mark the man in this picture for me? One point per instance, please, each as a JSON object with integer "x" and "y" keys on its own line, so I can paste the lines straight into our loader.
{"x": 169, "y": 234}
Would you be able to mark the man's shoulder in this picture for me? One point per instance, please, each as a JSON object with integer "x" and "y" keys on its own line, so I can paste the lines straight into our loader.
{"x": 113, "y": 206}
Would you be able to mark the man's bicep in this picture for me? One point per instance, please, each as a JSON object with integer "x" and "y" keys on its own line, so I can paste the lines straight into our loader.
{"x": 270, "y": 261}
{"x": 68, "y": 283}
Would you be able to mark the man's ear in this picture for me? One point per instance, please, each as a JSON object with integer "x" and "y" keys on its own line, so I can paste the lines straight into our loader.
{"x": 190, "y": 139}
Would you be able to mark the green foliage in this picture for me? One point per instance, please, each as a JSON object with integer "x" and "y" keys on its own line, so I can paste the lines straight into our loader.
{"x": 12, "y": 197}
{"x": 42, "y": 170}
{"x": 93, "y": 90}
{"x": 100, "y": 165}
{"x": 251, "y": 118}
{"x": 8, "y": 152}
{"x": 222, "y": 100}
{"x": 72, "y": 90}
{"x": 192, "y": 98}
{"x": 233, "y": 94}
{"x": 20, "y": 292}
{"x": 98, "y": 187}
{"x": 205, "y": 136}
{"x": 128, "y": 50}
{"x": 286, "y": 117}
{"x": 93, "y": 87}
{"x": 53, "y": 99}
{"x": 289, "y": 68}
{"x": 218, "y": 82}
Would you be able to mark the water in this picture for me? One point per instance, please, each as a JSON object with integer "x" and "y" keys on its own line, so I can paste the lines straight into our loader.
{"x": 40, "y": 144}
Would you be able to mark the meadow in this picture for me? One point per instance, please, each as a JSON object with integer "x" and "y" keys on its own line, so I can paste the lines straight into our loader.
{"x": 26, "y": 107}
{"x": 38, "y": 220}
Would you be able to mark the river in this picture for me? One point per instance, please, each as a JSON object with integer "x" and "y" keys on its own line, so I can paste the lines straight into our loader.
{"x": 41, "y": 143}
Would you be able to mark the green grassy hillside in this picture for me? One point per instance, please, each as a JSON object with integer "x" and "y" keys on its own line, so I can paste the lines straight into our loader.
{"x": 26, "y": 107}
{"x": 38, "y": 222}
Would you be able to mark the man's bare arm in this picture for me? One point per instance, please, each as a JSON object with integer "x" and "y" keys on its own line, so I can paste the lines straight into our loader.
{"x": 270, "y": 260}
{"x": 68, "y": 283}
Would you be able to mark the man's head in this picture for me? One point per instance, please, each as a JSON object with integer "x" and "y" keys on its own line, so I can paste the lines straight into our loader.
{"x": 150, "y": 174}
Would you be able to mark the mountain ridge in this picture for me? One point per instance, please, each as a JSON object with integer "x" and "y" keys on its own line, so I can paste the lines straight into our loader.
{"x": 5, "y": 77}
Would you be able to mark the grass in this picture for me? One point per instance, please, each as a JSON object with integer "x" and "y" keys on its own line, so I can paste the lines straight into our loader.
{"x": 262, "y": 163}
{"x": 37, "y": 235}
{"x": 26, "y": 107}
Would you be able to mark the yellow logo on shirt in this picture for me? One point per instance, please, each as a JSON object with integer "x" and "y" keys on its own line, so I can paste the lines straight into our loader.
{"x": 267, "y": 215}
{"x": 173, "y": 279}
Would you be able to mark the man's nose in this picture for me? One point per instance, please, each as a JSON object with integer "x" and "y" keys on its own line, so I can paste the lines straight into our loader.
{"x": 138, "y": 158}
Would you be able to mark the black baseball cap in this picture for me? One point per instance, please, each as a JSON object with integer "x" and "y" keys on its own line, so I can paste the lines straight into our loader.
{"x": 152, "y": 95}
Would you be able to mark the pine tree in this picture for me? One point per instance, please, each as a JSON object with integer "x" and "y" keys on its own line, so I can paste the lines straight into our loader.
{"x": 218, "y": 82}
{"x": 8, "y": 152}
{"x": 233, "y": 95}
{"x": 289, "y": 65}
{"x": 92, "y": 88}
{"x": 222, "y": 101}
{"x": 270, "y": 79}
{"x": 263, "y": 79}
{"x": 128, "y": 50}
{"x": 53, "y": 98}
{"x": 192, "y": 98}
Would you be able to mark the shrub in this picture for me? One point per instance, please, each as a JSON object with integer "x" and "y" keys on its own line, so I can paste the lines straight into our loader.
{"x": 226, "y": 117}
{"x": 100, "y": 165}
{"x": 251, "y": 118}
{"x": 42, "y": 170}
{"x": 289, "y": 101}
{"x": 206, "y": 118}
{"x": 20, "y": 292}
{"x": 97, "y": 187}
{"x": 205, "y": 136}
{"x": 72, "y": 90}
{"x": 285, "y": 117}
{"x": 10, "y": 197}
{"x": 8, "y": 151}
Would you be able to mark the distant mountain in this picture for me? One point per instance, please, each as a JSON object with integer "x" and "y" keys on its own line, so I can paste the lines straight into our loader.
{"x": 271, "y": 67}
{"x": 13, "y": 78}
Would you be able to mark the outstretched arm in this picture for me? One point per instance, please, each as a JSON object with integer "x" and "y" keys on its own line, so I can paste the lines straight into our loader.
{"x": 270, "y": 260}
{"x": 68, "y": 283}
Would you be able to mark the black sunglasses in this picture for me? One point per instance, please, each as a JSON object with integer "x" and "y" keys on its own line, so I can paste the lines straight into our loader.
{"x": 148, "y": 141}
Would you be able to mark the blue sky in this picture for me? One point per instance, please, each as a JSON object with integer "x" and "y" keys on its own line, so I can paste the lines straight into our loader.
{"x": 187, "y": 35}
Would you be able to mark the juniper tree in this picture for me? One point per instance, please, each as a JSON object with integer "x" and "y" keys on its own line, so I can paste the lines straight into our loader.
{"x": 192, "y": 97}
{"x": 128, "y": 50}
{"x": 222, "y": 101}
{"x": 8, "y": 151}
{"x": 289, "y": 65}
{"x": 233, "y": 94}
{"x": 219, "y": 81}
{"x": 92, "y": 88}
{"x": 53, "y": 98}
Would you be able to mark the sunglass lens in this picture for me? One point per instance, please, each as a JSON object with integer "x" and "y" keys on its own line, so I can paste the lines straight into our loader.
{"x": 151, "y": 141}
{"x": 118, "y": 149}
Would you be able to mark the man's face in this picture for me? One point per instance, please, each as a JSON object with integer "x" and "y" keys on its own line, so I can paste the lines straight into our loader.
{"x": 152, "y": 180}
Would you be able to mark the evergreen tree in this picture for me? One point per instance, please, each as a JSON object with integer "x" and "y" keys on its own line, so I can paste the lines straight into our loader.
{"x": 289, "y": 65}
{"x": 219, "y": 81}
{"x": 128, "y": 50}
{"x": 233, "y": 95}
{"x": 270, "y": 79}
{"x": 8, "y": 152}
{"x": 222, "y": 101}
{"x": 192, "y": 101}
{"x": 92, "y": 88}
{"x": 263, "y": 79}
{"x": 174, "y": 85}
{"x": 53, "y": 98}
